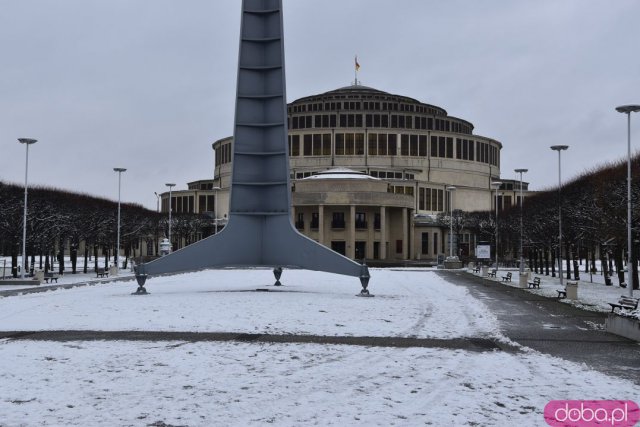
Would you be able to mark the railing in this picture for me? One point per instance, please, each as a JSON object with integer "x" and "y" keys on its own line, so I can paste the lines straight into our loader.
{"x": 361, "y": 225}
{"x": 337, "y": 224}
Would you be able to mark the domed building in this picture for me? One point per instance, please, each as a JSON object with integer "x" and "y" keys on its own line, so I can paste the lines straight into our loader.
{"x": 370, "y": 172}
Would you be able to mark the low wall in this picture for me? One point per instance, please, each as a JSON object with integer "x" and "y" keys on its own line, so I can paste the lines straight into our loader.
{"x": 623, "y": 326}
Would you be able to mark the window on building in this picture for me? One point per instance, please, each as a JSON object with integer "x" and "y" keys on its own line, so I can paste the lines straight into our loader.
{"x": 449, "y": 148}
{"x": 382, "y": 144}
{"x": 398, "y": 246}
{"x": 425, "y": 243}
{"x": 308, "y": 145}
{"x": 393, "y": 144}
{"x": 315, "y": 220}
{"x": 435, "y": 243}
{"x": 413, "y": 145}
{"x": 339, "y": 246}
{"x": 373, "y": 144}
{"x": 326, "y": 144}
{"x": 300, "y": 221}
{"x": 376, "y": 221}
{"x": 361, "y": 220}
{"x": 359, "y": 144}
{"x": 317, "y": 144}
{"x": 338, "y": 220}
{"x": 404, "y": 145}
{"x": 422, "y": 146}
{"x": 340, "y": 144}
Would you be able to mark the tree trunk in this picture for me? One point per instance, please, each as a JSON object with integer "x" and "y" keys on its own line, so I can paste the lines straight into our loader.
{"x": 546, "y": 261}
{"x": 618, "y": 260}
{"x": 40, "y": 267}
{"x": 95, "y": 258}
{"x": 14, "y": 265}
{"x": 576, "y": 270}
{"x": 541, "y": 253}
{"x": 634, "y": 268}
{"x": 74, "y": 257}
{"x": 86, "y": 255}
{"x": 47, "y": 264}
{"x": 568, "y": 261}
{"x": 553, "y": 263}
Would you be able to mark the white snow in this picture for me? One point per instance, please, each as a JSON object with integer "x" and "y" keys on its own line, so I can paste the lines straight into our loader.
{"x": 231, "y": 383}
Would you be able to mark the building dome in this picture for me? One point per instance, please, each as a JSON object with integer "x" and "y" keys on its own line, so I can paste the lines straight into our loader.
{"x": 357, "y": 152}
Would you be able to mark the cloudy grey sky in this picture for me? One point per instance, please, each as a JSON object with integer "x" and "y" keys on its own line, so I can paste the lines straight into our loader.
{"x": 149, "y": 84}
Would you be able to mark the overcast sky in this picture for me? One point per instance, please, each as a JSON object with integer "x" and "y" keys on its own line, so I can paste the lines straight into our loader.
{"x": 148, "y": 85}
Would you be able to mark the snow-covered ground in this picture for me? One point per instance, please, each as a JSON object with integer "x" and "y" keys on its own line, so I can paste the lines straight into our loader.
{"x": 235, "y": 383}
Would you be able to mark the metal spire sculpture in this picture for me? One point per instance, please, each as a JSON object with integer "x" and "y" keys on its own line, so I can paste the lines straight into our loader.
{"x": 259, "y": 231}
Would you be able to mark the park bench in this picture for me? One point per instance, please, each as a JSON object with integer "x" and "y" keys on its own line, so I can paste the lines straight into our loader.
{"x": 507, "y": 278}
{"x": 535, "y": 283}
{"x": 50, "y": 276}
{"x": 627, "y": 303}
{"x": 492, "y": 273}
{"x": 563, "y": 293}
{"x": 102, "y": 272}
{"x": 476, "y": 269}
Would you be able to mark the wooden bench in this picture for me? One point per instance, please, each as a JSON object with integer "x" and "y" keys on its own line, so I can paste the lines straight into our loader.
{"x": 535, "y": 283}
{"x": 50, "y": 276}
{"x": 492, "y": 273}
{"x": 627, "y": 303}
{"x": 507, "y": 278}
{"x": 476, "y": 269}
{"x": 102, "y": 272}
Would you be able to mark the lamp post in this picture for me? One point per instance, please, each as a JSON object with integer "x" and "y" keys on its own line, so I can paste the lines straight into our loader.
{"x": 170, "y": 185}
{"x": 215, "y": 208}
{"x": 496, "y": 185}
{"x": 157, "y": 202}
{"x": 27, "y": 142}
{"x": 521, "y": 171}
{"x": 560, "y": 149}
{"x": 451, "y": 189}
{"x": 119, "y": 170}
{"x": 628, "y": 109}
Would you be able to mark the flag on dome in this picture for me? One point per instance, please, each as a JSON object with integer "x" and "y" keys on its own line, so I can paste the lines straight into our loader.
{"x": 357, "y": 65}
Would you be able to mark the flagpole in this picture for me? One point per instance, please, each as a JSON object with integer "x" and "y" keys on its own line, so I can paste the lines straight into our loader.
{"x": 356, "y": 70}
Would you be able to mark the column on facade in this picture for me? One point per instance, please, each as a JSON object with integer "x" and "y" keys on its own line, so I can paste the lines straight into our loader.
{"x": 351, "y": 232}
{"x": 321, "y": 224}
{"x": 293, "y": 214}
{"x": 405, "y": 233}
{"x": 383, "y": 232}
{"x": 412, "y": 234}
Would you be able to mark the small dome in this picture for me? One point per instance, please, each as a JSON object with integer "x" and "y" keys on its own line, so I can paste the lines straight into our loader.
{"x": 341, "y": 173}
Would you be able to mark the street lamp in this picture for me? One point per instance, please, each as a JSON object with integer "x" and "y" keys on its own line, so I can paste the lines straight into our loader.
{"x": 560, "y": 149}
{"x": 496, "y": 185}
{"x": 628, "y": 109}
{"x": 27, "y": 142}
{"x": 521, "y": 171}
{"x": 451, "y": 189}
{"x": 119, "y": 170}
{"x": 215, "y": 207}
{"x": 170, "y": 185}
{"x": 157, "y": 202}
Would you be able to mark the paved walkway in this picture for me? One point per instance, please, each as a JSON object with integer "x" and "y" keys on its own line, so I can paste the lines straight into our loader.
{"x": 470, "y": 344}
{"x": 551, "y": 327}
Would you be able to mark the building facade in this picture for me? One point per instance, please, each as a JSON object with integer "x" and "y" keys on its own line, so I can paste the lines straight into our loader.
{"x": 406, "y": 155}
